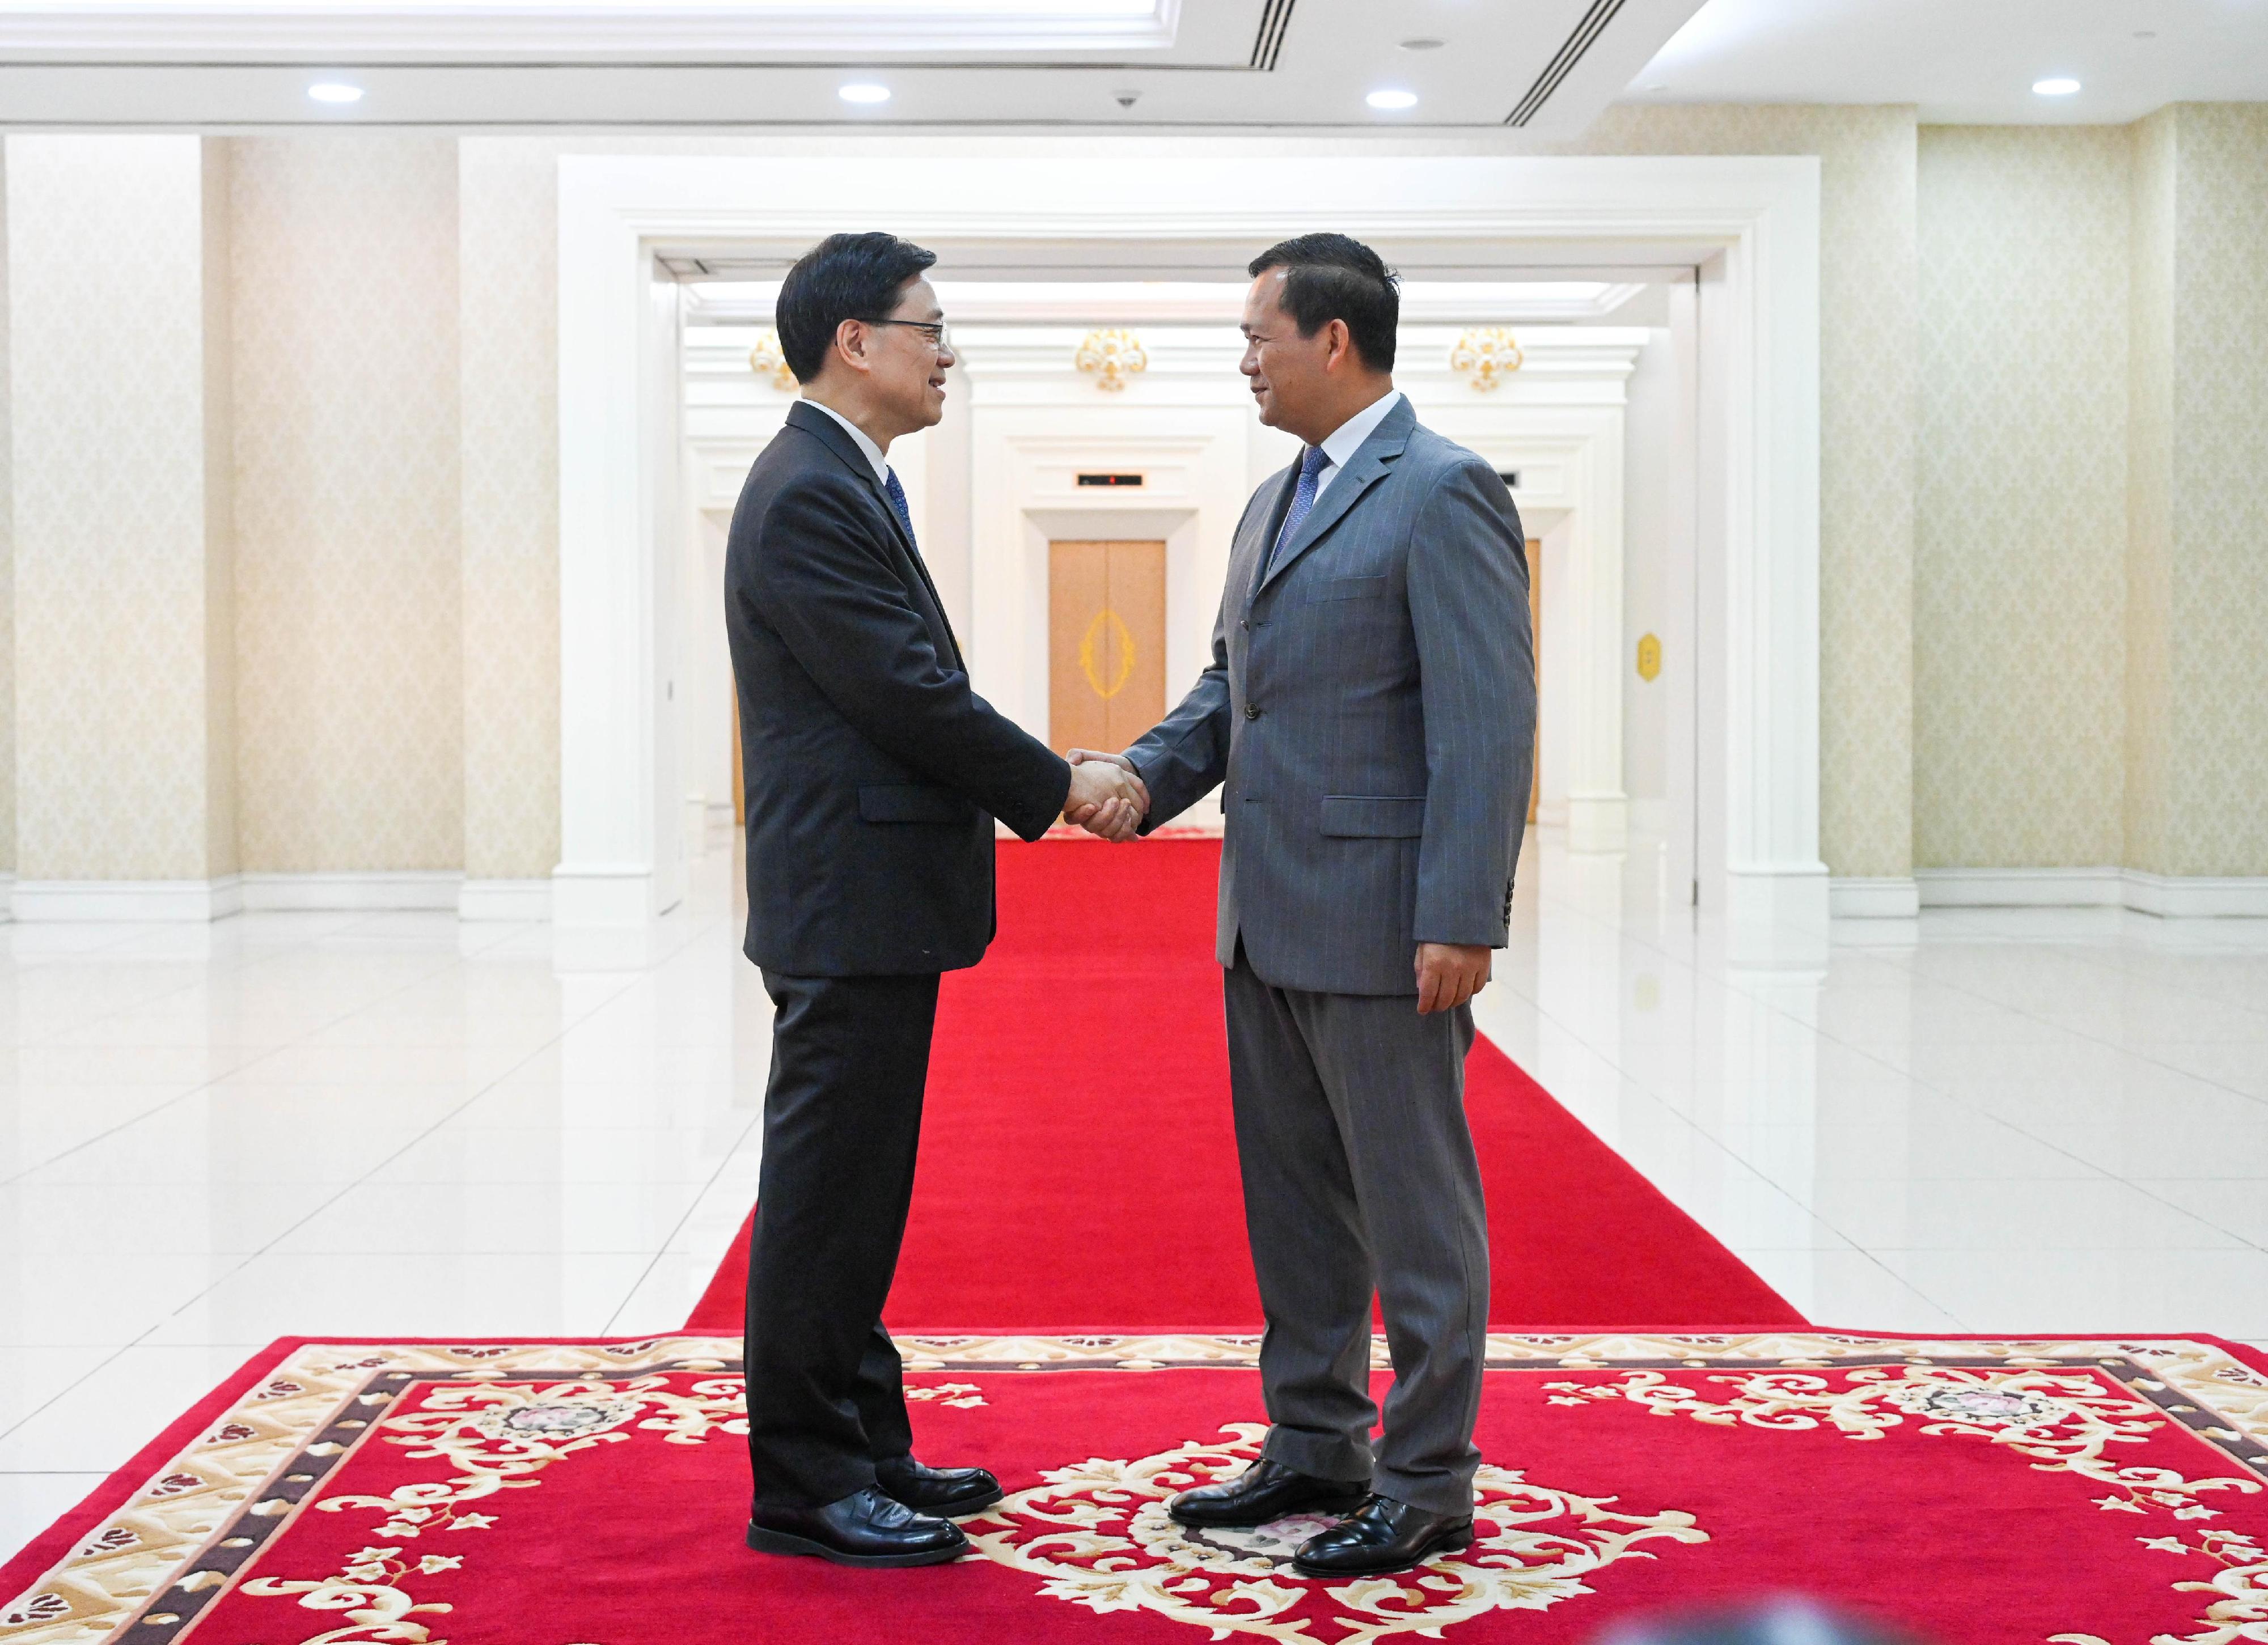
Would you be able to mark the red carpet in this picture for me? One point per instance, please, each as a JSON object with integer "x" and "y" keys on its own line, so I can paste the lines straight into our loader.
{"x": 2101, "y": 1491}
{"x": 1079, "y": 1163}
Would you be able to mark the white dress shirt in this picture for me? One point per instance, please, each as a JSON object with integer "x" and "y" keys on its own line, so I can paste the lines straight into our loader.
{"x": 873, "y": 452}
{"x": 1343, "y": 442}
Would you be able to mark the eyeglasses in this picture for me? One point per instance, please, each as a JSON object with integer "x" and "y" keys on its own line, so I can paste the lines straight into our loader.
{"x": 940, "y": 336}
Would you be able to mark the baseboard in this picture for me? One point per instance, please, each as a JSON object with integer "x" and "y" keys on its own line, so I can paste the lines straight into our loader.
{"x": 351, "y": 891}
{"x": 1890, "y": 897}
{"x": 610, "y": 894}
{"x": 504, "y": 900}
{"x": 2175, "y": 896}
{"x": 2190, "y": 896}
{"x": 152, "y": 900}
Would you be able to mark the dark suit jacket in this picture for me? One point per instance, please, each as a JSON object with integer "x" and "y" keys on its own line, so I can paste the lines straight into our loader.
{"x": 873, "y": 772}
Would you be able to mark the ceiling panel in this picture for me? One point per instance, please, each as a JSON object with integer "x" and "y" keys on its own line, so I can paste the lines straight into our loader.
{"x": 1959, "y": 61}
{"x": 1543, "y": 67}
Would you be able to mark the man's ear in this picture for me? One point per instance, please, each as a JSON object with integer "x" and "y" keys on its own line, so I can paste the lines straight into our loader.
{"x": 1338, "y": 344}
{"x": 850, "y": 339}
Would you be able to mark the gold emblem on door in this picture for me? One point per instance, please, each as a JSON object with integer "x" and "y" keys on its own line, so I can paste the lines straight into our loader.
{"x": 1096, "y": 646}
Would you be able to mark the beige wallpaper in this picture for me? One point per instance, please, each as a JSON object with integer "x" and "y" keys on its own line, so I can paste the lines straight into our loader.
{"x": 7, "y": 570}
{"x": 509, "y": 392}
{"x": 222, "y": 854}
{"x": 2217, "y": 810}
{"x": 114, "y": 761}
{"x": 2021, "y": 522}
{"x": 2148, "y": 731}
{"x": 348, "y": 638}
{"x": 1866, "y": 441}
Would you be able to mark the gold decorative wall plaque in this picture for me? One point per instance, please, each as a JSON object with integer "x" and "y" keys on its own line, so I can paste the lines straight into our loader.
{"x": 1649, "y": 656}
{"x": 1488, "y": 355}
{"x": 1107, "y": 632}
{"x": 1112, "y": 354}
{"x": 766, "y": 360}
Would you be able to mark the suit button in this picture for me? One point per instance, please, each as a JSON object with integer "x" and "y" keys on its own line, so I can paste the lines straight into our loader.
{"x": 1251, "y": 710}
{"x": 1245, "y": 623}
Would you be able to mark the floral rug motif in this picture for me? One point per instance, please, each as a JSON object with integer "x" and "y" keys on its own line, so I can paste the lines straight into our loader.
{"x": 2077, "y": 1492}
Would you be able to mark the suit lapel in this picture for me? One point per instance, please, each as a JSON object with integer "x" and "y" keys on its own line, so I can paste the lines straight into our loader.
{"x": 1363, "y": 471}
{"x": 1247, "y": 554}
{"x": 830, "y": 434}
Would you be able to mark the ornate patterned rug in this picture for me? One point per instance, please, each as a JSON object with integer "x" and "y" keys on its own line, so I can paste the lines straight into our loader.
{"x": 2082, "y": 1491}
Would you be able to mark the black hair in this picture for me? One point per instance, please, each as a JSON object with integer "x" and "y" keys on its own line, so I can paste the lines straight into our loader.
{"x": 845, "y": 276}
{"x": 1333, "y": 276}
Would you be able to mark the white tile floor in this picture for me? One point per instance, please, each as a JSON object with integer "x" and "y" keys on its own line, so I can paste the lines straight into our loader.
{"x": 296, "y": 1124}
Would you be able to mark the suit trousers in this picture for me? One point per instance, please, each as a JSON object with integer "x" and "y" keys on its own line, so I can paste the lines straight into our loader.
{"x": 842, "y": 1123}
{"x": 1360, "y": 1179}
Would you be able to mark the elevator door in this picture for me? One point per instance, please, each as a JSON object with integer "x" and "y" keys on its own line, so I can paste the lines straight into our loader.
{"x": 1106, "y": 642}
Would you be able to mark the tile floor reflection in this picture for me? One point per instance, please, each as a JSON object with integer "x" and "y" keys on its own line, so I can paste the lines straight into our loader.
{"x": 2018, "y": 1120}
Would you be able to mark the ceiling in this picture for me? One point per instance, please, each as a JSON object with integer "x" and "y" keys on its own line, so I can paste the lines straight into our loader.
{"x": 1525, "y": 71}
{"x": 1545, "y": 67}
{"x": 1967, "y": 61}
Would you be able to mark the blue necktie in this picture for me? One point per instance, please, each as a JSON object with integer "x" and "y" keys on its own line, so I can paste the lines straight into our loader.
{"x": 1303, "y": 498}
{"x": 896, "y": 493}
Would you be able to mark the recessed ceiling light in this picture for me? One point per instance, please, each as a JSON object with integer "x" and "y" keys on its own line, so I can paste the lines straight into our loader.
{"x": 334, "y": 91}
{"x": 1421, "y": 45}
{"x": 2055, "y": 88}
{"x": 1392, "y": 99}
{"x": 863, "y": 92}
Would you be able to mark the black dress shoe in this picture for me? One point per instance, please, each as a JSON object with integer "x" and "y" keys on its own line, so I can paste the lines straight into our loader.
{"x": 1382, "y": 1535}
{"x": 1265, "y": 1491}
{"x": 944, "y": 1492}
{"x": 864, "y": 1528}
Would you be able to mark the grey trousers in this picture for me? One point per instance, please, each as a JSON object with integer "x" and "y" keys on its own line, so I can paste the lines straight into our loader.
{"x": 1359, "y": 1178}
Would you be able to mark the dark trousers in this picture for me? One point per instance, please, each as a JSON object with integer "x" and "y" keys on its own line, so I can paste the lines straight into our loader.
{"x": 1360, "y": 1179}
{"x": 842, "y": 1123}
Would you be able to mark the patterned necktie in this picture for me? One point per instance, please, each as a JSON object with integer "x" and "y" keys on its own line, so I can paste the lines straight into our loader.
{"x": 897, "y": 495}
{"x": 1303, "y": 498}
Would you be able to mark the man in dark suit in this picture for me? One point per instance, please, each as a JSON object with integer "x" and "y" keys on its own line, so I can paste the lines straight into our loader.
{"x": 874, "y": 776}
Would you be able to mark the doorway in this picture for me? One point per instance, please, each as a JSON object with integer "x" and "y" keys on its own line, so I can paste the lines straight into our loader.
{"x": 1748, "y": 224}
{"x": 1106, "y": 642}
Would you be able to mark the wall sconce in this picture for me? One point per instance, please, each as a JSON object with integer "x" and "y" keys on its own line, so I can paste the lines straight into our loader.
{"x": 766, "y": 360}
{"x": 1488, "y": 355}
{"x": 1113, "y": 355}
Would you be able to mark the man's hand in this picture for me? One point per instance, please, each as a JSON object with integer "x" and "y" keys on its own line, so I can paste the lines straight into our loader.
{"x": 1106, "y": 798}
{"x": 1449, "y": 975}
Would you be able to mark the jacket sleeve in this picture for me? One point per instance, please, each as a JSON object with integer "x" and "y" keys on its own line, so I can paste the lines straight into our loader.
{"x": 841, "y": 609}
{"x": 1468, "y": 581}
{"x": 1185, "y": 756}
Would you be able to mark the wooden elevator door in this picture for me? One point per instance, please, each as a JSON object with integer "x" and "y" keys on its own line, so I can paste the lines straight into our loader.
{"x": 1106, "y": 642}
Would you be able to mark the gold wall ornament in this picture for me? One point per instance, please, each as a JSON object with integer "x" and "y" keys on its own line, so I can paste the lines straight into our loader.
{"x": 1488, "y": 355}
{"x": 1108, "y": 631}
{"x": 766, "y": 360}
{"x": 1649, "y": 656}
{"x": 1113, "y": 354}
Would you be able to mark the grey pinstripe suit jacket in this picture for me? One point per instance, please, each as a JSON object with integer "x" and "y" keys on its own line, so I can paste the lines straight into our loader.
{"x": 1371, "y": 710}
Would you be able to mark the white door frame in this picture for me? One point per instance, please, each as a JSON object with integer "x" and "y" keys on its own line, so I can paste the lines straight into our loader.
{"x": 1756, "y": 220}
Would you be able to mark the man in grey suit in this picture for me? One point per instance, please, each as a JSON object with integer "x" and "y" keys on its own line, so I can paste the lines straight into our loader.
{"x": 1371, "y": 710}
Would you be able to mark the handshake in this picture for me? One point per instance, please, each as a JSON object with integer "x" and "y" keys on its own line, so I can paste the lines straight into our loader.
{"x": 1106, "y": 798}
